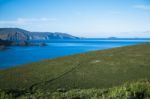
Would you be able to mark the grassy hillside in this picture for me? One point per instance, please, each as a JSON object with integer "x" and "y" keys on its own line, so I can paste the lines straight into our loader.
{"x": 130, "y": 90}
{"x": 97, "y": 69}
{"x": 134, "y": 90}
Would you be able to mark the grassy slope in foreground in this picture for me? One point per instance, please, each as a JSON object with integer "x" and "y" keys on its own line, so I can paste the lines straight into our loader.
{"x": 135, "y": 90}
{"x": 97, "y": 69}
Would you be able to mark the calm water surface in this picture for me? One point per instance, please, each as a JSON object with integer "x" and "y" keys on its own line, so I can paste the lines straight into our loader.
{"x": 22, "y": 55}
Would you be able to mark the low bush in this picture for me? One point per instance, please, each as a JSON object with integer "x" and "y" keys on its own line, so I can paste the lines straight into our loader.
{"x": 131, "y": 90}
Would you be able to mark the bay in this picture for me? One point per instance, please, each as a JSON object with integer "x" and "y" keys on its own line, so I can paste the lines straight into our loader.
{"x": 16, "y": 55}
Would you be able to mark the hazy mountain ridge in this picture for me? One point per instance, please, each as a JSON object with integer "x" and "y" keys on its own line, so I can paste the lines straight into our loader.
{"x": 20, "y": 34}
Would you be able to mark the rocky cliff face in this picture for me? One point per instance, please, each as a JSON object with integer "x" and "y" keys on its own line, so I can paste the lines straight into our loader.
{"x": 20, "y": 34}
{"x": 13, "y": 34}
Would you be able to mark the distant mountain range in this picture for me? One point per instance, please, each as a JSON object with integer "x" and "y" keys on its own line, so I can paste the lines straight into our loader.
{"x": 15, "y": 34}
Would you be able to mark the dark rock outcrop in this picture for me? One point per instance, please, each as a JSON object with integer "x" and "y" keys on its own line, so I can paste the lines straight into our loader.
{"x": 5, "y": 42}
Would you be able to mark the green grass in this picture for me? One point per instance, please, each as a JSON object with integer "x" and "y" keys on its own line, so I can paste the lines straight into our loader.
{"x": 96, "y": 69}
{"x": 129, "y": 90}
{"x": 134, "y": 90}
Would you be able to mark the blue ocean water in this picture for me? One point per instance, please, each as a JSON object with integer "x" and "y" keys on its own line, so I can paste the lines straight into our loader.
{"x": 15, "y": 55}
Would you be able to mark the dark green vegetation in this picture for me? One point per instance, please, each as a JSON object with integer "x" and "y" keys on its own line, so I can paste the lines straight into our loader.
{"x": 97, "y": 69}
{"x": 134, "y": 90}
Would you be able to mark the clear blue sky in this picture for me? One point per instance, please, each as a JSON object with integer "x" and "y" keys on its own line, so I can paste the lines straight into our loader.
{"x": 86, "y": 18}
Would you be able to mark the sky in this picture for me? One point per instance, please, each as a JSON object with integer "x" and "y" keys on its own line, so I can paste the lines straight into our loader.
{"x": 84, "y": 18}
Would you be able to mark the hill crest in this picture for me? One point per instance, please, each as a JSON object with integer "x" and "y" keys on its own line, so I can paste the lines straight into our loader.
{"x": 21, "y": 34}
